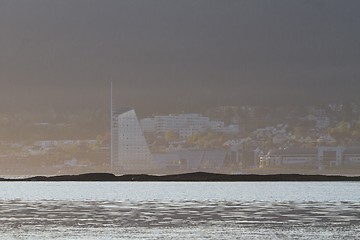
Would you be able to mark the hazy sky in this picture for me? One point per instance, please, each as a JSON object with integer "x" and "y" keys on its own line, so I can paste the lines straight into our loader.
{"x": 164, "y": 54}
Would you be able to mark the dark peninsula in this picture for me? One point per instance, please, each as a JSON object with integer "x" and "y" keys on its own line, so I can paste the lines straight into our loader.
{"x": 189, "y": 177}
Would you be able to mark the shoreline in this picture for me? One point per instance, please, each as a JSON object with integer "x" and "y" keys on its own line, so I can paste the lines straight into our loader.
{"x": 188, "y": 177}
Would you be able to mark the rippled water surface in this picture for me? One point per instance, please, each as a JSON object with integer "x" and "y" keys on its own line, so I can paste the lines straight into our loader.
{"x": 123, "y": 210}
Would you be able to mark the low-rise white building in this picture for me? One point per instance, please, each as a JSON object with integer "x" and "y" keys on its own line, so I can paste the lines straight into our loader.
{"x": 181, "y": 121}
{"x": 185, "y": 124}
{"x": 148, "y": 125}
{"x": 187, "y": 132}
{"x": 192, "y": 160}
{"x": 231, "y": 129}
{"x": 321, "y": 121}
{"x": 320, "y": 157}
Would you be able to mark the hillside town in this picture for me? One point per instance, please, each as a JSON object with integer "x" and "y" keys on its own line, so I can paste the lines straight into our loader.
{"x": 228, "y": 139}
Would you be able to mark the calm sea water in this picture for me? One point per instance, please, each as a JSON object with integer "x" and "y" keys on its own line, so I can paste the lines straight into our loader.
{"x": 169, "y": 210}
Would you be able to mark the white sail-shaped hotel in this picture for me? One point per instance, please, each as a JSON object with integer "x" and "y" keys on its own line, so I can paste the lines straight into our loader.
{"x": 130, "y": 152}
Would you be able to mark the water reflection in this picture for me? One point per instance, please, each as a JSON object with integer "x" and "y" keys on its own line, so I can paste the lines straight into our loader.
{"x": 179, "y": 211}
{"x": 94, "y": 214}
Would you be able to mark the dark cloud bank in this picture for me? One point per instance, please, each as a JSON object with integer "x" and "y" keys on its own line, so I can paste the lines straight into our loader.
{"x": 175, "y": 54}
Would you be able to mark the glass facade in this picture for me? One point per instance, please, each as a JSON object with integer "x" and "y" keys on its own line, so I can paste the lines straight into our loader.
{"x": 129, "y": 150}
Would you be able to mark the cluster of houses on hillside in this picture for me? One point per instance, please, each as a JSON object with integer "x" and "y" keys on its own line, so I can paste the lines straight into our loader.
{"x": 199, "y": 143}
{"x": 241, "y": 154}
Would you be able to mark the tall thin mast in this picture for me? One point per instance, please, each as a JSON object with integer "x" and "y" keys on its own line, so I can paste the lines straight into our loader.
{"x": 111, "y": 126}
